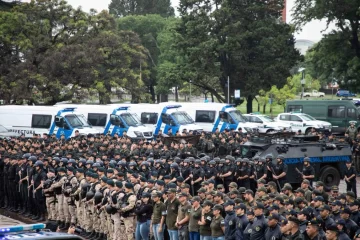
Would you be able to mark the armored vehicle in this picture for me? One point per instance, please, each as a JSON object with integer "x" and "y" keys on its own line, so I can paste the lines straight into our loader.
{"x": 327, "y": 158}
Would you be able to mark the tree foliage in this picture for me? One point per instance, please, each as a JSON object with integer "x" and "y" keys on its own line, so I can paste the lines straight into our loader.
{"x": 244, "y": 40}
{"x": 122, "y": 8}
{"x": 51, "y": 50}
{"x": 337, "y": 55}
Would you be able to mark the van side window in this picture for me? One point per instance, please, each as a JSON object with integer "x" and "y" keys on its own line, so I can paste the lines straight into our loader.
{"x": 336, "y": 111}
{"x": 351, "y": 113}
{"x": 149, "y": 118}
{"x": 295, "y": 108}
{"x": 295, "y": 118}
{"x": 97, "y": 119}
{"x": 205, "y": 116}
{"x": 40, "y": 121}
{"x": 285, "y": 117}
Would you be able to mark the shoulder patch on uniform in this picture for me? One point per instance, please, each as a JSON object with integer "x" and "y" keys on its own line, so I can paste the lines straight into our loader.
{"x": 230, "y": 223}
{"x": 222, "y": 222}
{"x": 208, "y": 218}
{"x": 257, "y": 228}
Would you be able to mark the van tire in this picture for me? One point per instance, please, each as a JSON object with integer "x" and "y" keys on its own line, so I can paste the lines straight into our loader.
{"x": 329, "y": 176}
{"x": 270, "y": 130}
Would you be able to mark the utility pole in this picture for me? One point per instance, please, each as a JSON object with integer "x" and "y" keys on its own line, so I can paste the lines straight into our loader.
{"x": 190, "y": 91}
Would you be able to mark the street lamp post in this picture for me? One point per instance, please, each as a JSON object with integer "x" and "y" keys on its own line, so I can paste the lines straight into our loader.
{"x": 302, "y": 81}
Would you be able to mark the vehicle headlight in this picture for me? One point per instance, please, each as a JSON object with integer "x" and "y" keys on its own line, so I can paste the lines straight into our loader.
{"x": 138, "y": 134}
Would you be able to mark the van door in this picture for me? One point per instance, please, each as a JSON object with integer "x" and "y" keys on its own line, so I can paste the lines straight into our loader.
{"x": 62, "y": 127}
{"x": 337, "y": 116}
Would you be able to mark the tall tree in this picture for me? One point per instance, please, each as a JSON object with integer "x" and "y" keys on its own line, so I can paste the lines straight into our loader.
{"x": 242, "y": 40}
{"x": 337, "y": 55}
{"x": 122, "y": 8}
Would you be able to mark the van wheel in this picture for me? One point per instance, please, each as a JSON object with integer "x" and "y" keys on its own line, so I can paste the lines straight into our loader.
{"x": 330, "y": 176}
{"x": 270, "y": 130}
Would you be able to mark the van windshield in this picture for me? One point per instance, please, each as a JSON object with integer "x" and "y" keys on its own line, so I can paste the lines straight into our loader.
{"x": 137, "y": 119}
{"x": 182, "y": 118}
{"x": 77, "y": 121}
{"x": 237, "y": 116}
{"x": 129, "y": 119}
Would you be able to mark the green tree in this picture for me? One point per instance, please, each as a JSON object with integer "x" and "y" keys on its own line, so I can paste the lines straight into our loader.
{"x": 122, "y": 8}
{"x": 244, "y": 40}
{"x": 337, "y": 55}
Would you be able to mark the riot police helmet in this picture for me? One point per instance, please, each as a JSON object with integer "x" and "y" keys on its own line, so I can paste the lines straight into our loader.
{"x": 39, "y": 163}
{"x": 91, "y": 162}
{"x": 98, "y": 197}
{"x": 26, "y": 156}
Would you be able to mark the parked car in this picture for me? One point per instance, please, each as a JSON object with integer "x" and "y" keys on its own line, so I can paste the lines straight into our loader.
{"x": 314, "y": 93}
{"x": 345, "y": 93}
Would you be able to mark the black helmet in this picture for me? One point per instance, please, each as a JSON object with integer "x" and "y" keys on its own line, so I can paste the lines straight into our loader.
{"x": 72, "y": 161}
{"x": 26, "y": 155}
{"x": 98, "y": 197}
{"x": 238, "y": 160}
{"x": 32, "y": 158}
{"x": 177, "y": 160}
{"x": 47, "y": 184}
{"x": 197, "y": 161}
{"x": 132, "y": 164}
{"x": 112, "y": 161}
{"x": 85, "y": 187}
{"x": 110, "y": 210}
{"x": 174, "y": 165}
{"x": 56, "y": 159}
{"x": 91, "y": 162}
{"x": 222, "y": 161}
{"x": 97, "y": 164}
{"x": 144, "y": 163}
{"x": 187, "y": 160}
{"x": 122, "y": 163}
{"x": 39, "y": 163}
{"x": 89, "y": 195}
{"x": 212, "y": 162}
{"x": 269, "y": 156}
{"x": 82, "y": 160}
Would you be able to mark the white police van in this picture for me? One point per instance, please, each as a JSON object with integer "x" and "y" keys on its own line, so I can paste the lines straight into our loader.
{"x": 212, "y": 116}
{"x": 112, "y": 119}
{"x": 303, "y": 122}
{"x": 164, "y": 116}
{"x": 267, "y": 124}
{"x": 57, "y": 120}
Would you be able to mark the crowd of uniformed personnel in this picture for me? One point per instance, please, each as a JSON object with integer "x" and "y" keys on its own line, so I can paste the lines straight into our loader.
{"x": 116, "y": 188}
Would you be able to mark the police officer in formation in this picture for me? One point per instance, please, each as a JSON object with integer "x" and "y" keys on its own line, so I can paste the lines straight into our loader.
{"x": 113, "y": 188}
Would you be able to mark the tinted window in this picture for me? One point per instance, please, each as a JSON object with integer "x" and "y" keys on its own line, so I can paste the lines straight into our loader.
{"x": 284, "y": 117}
{"x": 351, "y": 113}
{"x": 205, "y": 116}
{"x": 295, "y": 118}
{"x": 97, "y": 119}
{"x": 295, "y": 108}
{"x": 336, "y": 111}
{"x": 149, "y": 118}
{"x": 41, "y": 121}
{"x": 256, "y": 120}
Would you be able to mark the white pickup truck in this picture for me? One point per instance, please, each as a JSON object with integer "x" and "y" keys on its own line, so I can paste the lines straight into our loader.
{"x": 314, "y": 93}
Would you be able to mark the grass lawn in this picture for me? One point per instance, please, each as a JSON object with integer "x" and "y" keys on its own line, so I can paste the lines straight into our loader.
{"x": 276, "y": 109}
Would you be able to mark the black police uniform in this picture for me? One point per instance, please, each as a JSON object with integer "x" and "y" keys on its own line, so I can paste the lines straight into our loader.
{"x": 198, "y": 173}
{"x": 39, "y": 196}
{"x": 273, "y": 233}
{"x": 279, "y": 169}
{"x": 230, "y": 225}
{"x": 308, "y": 171}
{"x": 241, "y": 223}
{"x": 248, "y": 230}
{"x": 258, "y": 228}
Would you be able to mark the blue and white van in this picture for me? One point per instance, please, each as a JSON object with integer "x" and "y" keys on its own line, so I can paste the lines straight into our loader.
{"x": 58, "y": 120}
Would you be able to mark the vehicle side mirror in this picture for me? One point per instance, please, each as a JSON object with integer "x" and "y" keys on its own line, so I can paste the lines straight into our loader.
{"x": 59, "y": 121}
{"x": 114, "y": 120}
{"x": 172, "y": 122}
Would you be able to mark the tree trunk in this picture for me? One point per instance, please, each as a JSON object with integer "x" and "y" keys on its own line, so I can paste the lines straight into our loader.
{"x": 212, "y": 98}
{"x": 176, "y": 94}
{"x": 264, "y": 108}
{"x": 152, "y": 92}
{"x": 249, "y": 101}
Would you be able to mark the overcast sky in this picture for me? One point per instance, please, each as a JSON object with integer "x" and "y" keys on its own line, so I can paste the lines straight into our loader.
{"x": 311, "y": 31}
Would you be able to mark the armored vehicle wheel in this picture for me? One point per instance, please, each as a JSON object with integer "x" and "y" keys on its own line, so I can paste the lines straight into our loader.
{"x": 330, "y": 176}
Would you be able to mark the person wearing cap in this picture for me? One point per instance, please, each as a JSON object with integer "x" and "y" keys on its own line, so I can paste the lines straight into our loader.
{"x": 335, "y": 210}
{"x": 305, "y": 184}
{"x": 183, "y": 216}
{"x": 241, "y": 221}
{"x": 205, "y": 220}
{"x": 143, "y": 211}
{"x": 350, "y": 178}
{"x": 334, "y": 191}
{"x": 325, "y": 216}
{"x": 355, "y": 214}
{"x": 340, "y": 224}
{"x": 273, "y": 229}
{"x": 38, "y": 178}
{"x": 308, "y": 171}
{"x": 332, "y": 232}
{"x": 197, "y": 176}
{"x": 70, "y": 187}
{"x": 259, "y": 226}
{"x": 158, "y": 216}
{"x": 127, "y": 210}
{"x": 293, "y": 226}
{"x": 57, "y": 188}
{"x": 217, "y": 225}
{"x": 312, "y": 230}
{"x": 279, "y": 171}
{"x": 350, "y": 226}
{"x": 173, "y": 205}
{"x": 352, "y": 131}
{"x": 194, "y": 218}
{"x": 142, "y": 187}
{"x": 50, "y": 196}
{"x": 230, "y": 220}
